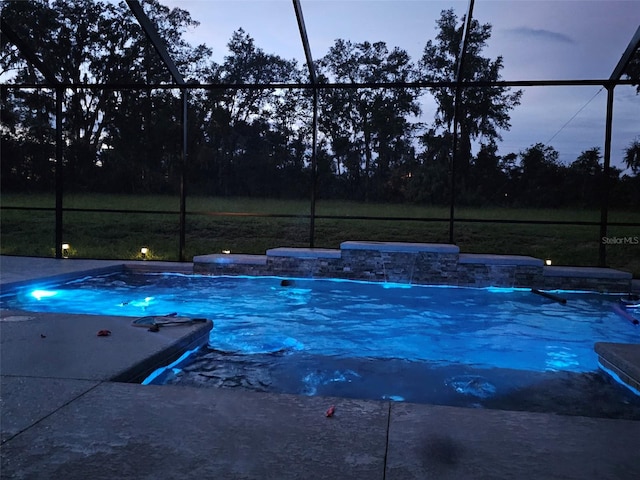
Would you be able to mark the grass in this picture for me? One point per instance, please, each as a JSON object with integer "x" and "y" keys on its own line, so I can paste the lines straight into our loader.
{"x": 121, "y": 235}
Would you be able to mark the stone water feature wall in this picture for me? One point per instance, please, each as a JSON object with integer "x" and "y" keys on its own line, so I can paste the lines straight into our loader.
{"x": 414, "y": 263}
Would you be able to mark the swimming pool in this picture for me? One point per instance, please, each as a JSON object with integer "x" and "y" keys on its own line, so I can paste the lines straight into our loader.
{"x": 475, "y": 347}
{"x": 485, "y": 327}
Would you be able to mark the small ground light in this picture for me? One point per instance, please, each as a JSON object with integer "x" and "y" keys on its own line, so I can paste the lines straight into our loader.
{"x": 547, "y": 262}
{"x": 65, "y": 250}
{"x": 144, "y": 251}
{"x": 226, "y": 251}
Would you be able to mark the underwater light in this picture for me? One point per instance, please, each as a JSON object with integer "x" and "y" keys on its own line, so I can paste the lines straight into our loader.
{"x": 38, "y": 294}
{"x": 396, "y": 285}
{"x": 500, "y": 289}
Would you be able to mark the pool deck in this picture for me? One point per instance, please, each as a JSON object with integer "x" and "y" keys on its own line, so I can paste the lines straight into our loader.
{"x": 63, "y": 416}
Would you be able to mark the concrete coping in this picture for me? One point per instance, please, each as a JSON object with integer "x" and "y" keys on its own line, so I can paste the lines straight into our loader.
{"x": 586, "y": 272}
{"x": 401, "y": 247}
{"x": 61, "y": 278}
{"x": 624, "y": 357}
{"x": 228, "y": 258}
{"x": 489, "y": 259}
{"x": 304, "y": 252}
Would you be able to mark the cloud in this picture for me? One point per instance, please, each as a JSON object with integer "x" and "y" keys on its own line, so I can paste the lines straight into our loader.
{"x": 541, "y": 34}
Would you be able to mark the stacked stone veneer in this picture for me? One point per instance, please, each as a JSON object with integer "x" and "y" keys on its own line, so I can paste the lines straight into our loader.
{"x": 416, "y": 263}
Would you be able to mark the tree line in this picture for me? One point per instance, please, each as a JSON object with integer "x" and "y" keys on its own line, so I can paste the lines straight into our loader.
{"x": 372, "y": 142}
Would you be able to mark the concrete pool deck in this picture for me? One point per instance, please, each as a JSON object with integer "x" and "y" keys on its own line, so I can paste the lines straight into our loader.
{"x": 63, "y": 416}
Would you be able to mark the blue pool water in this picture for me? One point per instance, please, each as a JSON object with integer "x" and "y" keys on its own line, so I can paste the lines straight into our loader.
{"x": 482, "y": 328}
{"x": 490, "y": 348}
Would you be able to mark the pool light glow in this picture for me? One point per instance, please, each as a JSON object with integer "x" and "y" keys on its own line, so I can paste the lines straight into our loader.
{"x": 40, "y": 294}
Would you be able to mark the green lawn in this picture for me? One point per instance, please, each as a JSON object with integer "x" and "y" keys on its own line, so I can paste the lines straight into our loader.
{"x": 121, "y": 235}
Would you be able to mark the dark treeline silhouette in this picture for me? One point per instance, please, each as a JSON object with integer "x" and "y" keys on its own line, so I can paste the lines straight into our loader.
{"x": 372, "y": 144}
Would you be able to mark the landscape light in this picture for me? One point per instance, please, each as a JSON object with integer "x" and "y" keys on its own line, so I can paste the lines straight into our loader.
{"x": 547, "y": 261}
{"x": 65, "y": 250}
{"x": 226, "y": 251}
{"x": 144, "y": 251}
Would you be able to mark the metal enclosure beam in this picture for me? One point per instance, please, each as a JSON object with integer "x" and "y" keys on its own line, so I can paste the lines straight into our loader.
{"x": 619, "y": 69}
{"x": 605, "y": 181}
{"x": 314, "y": 129}
{"x": 28, "y": 52}
{"x": 155, "y": 39}
{"x": 59, "y": 173}
{"x": 183, "y": 176}
{"x": 314, "y": 168}
{"x": 305, "y": 41}
{"x": 193, "y": 85}
{"x": 456, "y": 115}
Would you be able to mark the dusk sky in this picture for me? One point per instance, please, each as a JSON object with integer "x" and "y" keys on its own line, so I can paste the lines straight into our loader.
{"x": 539, "y": 40}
